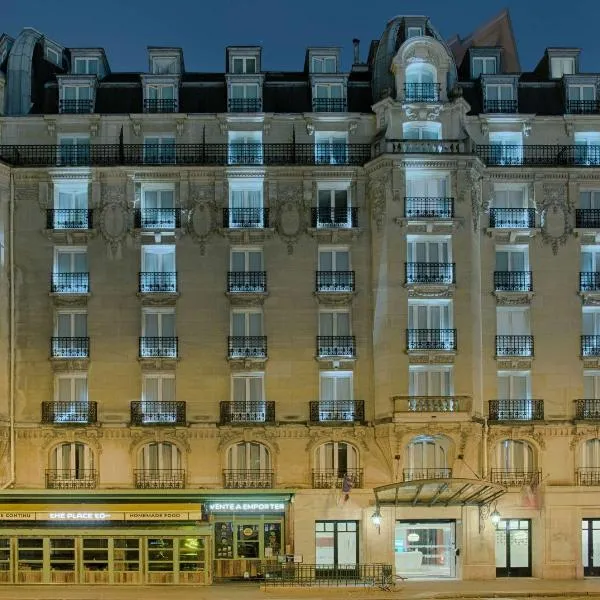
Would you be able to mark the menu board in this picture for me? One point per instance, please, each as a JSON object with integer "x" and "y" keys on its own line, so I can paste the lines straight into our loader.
{"x": 224, "y": 539}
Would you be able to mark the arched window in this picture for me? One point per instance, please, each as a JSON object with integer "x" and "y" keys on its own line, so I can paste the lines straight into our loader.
{"x": 515, "y": 463}
{"x": 419, "y": 130}
{"x": 248, "y": 466}
{"x": 159, "y": 466}
{"x": 71, "y": 466}
{"x": 589, "y": 471}
{"x": 334, "y": 462}
{"x": 421, "y": 83}
{"x": 426, "y": 458}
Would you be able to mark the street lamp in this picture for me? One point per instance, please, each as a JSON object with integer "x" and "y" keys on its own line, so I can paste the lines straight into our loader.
{"x": 495, "y": 517}
{"x": 376, "y": 517}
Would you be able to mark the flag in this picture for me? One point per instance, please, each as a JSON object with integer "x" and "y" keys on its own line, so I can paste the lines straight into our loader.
{"x": 347, "y": 485}
{"x": 531, "y": 495}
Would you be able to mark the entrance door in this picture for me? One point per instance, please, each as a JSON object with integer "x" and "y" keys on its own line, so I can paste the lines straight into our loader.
{"x": 336, "y": 545}
{"x": 513, "y": 548}
{"x": 590, "y": 547}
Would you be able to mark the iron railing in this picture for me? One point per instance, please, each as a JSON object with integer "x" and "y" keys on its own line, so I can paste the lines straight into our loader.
{"x": 70, "y": 347}
{"x": 421, "y": 92}
{"x": 516, "y": 410}
{"x": 336, "y": 346}
{"x": 158, "y": 347}
{"x": 589, "y": 281}
{"x": 337, "y": 411}
{"x": 583, "y": 107}
{"x": 157, "y": 218}
{"x": 334, "y": 218}
{"x": 245, "y": 218}
{"x": 418, "y": 404}
{"x": 334, "y": 281}
{"x": 514, "y": 345}
{"x": 500, "y": 106}
{"x": 512, "y": 218}
{"x": 243, "y": 413}
{"x": 587, "y": 409}
{"x": 303, "y": 575}
{"x": 68, "y": 218}
{"x": 587, "y": 218}
{"x": 70, "y": 283}
{"x": 513, "y": 281}
{"x": 160, "y": 105}
{"x": 395, "y": 146}
{"x": 163, "y": 479}
{"x": 416, "y": 207}
{"x": 247, "y": 478}
{"x": 590, "y": 345}
{"x": 429, "y": 273}
{"x": 588, "y": 476}
{"x": 71, "y": 479}
{"x": 426, "y": 473}
{"x": 62, "y": 412}
{"x": 538, "y": 155}
{"x": 515, "y": 477}
{"x": 168, "y": 412}
{"x": 244, "y": 105}
{"x": 334, "y": 478}
{"x": 157, "y": 282}
{"x": 245, "y": 153}
{"x": 430, "y": 339}
{"x": 75, "y": 106}
{"x": 247, "y": 346}
{"x": 329, "y": 105}
{"x": 247, "y": 282}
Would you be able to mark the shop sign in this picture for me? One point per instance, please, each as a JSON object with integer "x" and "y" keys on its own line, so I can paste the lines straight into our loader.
{"x": 251, "y": 507}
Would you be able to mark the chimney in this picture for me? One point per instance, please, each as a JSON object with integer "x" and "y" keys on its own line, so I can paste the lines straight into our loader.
{"x": 356, "y": 43}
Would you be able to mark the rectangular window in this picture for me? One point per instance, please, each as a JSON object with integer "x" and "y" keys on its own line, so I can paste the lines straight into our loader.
{"x": 508, "y": 147}
{"x": 73, "y": 150}
{"x": 158, "y": 323}
{"x": 483, "y": 65}
{"x": 86, "y": 66}
{"x": 246, "y": 323}
{"x": 77, "y": 92}
{"x": 434, "y": 314}
{"x": 582, "y": 92}
{"x": 160, "y": 98}
{"x": 591, "y": 321}
{"x": 71, "y": 324}
{"x": 159, "y": 149}
{"x": 426, "y": 185}
{"x": 245, "y": 148}
{"x": 158, "y": 273}
{"x": 422, "y": 131}
{"x": 498, "y": 92}
{"x": 333, "y": 208}
{"x": 243, "y": 64}
{"x": 158, "y": 399}
{"x": 336, "y": 544}
{"x": 589, "y": 199}
{"x": 561, "y": 66}
{"x": 246, "y": 204}
{"x": 591, "y": 384}
{"x": 245, "y": 97}
{"x": 512, "y": 321}
{"x": 514, "y": 385}
{"x": 164, "y": 66}
{"x": 334, "y": 323}
{"x": 75, "y": 99}
{"x": 71, "y": 388}
{"x": 323, "y": 64}
{"x": 423, "y": 249}
{"x": 336, "y": 386}
{"x": 414, "y": 32}
{"x": 246, "y": 260}
{"x": 587, "y": 151}
{"x": 334, "y": 259}
{"x": 430, "y": 381}
{"x": 512, "y": 258}
{"x": 70, "y": 273}
{"x": 331, "y": 147}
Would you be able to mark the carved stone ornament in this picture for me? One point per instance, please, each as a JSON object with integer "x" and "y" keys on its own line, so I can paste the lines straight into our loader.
{"x": 376, "y": 193}
{"x": 202, "y": 220}
{"x": 310, "y": 127}
{"x": 478, "y": 204}
{"x": 136, "y": 127}
{"x": 290, "y": 214}
{"x": 114, "y": 219}
{"x": 352, "y": 127}
{"x": 555, "y": 212}
{"x": 423, "y": 113}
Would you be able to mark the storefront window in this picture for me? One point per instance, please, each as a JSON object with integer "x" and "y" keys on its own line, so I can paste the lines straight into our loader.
{"x": 160, "y": 554}
{"x": 191, "y": 554}
{"x": 248, "y": 541}
{"x": 240, "y": 537}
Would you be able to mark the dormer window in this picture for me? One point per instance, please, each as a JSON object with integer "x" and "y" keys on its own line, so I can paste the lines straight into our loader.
{"x": 323, "y": 64}
{"x": 53, "y": 56}
{"x": 560, "y": 66}
{"x": 160, "y": 99}
{"x": 420, "y": 84}
{"x": 164, "y": 66}
{"x": 483, "y": 65}
{"x": 243, "y": 65}
{"x": 499, "y": 98}
{"x": 86, "y": 66}
{"x": 329, "y": 97}
{"x": 245, "y": 97}
{"x": 76, "y": 99}
{"x": 581, "y": 99}
{"x": 414, "y": 32}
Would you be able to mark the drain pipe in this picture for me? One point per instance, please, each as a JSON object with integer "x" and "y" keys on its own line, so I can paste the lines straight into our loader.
{"x": 484, "y": 450}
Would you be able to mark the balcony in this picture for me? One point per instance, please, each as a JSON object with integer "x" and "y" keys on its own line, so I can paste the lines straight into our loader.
{"x": 427, "y": 404}
{"x": 537, "y": 155}
{"x": 157, "y": 218}
{"x": 75, "y": 106}
{"x": 157, "y": 282}
{"x": 247, "y": 413}
{"x": 336, "y": 346}
{"x": 247, "y": 347}
{"x": 589, "y": 281}
{"x": 72, "y": 219}
{"x": 70, "y": 283}
{"x": 328, "y": 479}
{"x": 70, "y": 347}
{"x": 431, "y": 339}
{"x": 513, "y": 281}
{"x": 160, "y": 105}
{"x": 329, "y": 105}
{"x": 245, "y": 218}
{"x": 334, "y": 218}
{"x": 426, "y": 473}
{"x": 69, "y": 413}
{"x": 588, "y": 476}
{"x": 516, "y": 410}
{"x": 590, "y": 345}
{"x": 158, "y": 413}
{"x": 159, "y": 479}
{"x": 500, "y": 106}
{"x": 514, "y": 345}
{"x": 73, "y": 156}
{"x": 158, "y": 347}
{"x": 583, "y": 107}
{"x": 515, "y": 477}
{"x": 334, "y": 282}
{"x": 421, "y": 92}
{"x": 512, "y": 218}
{"x": 247, "y": 282}
{"x": 587, "y": 218}
{"x": 396, "y": 146}
{"x": 429, "y": 273}
{"x": 247, "y": 478}
{"x": 587, "y": 409}
{"x": 244, "y": 105}
{"x": 337, "y": 411}
{"x": 246, "y": 153}
{"x": 71, "y": 479}
{"x": 428, "y": 208}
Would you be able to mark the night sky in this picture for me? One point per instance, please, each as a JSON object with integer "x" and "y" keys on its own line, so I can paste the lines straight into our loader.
{"x": 284, "y": 29}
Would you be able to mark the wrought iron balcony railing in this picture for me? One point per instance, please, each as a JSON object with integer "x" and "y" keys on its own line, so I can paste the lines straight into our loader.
{"x": 247, "y": 282}
{"x": 426, "y": 473}
{"x": 168, "y": 412}
{"x": 157, "y": 282}
{"x": 158, "y": 347}
{"x": 418, "y": 404}
{"x": 537, "y": 155}
{"x": 67, "y": 218}
{"x": 588, "y": 476}
{"x": 329, "y": 105}
{"x": 430, "y": 339}
{"x": 587, "y": 409}
{"x": 70, "y": 283}
{"x": 70, "y": 347}
{"x": 159, "y": 479}
{"x": 66, "y": 412}
{"x": 75, "y": 106}
{"x": 512, "y": 218}
{"x": 513, "y": 281}
{"x": 337, "y": 411}
{"x": 247, "y": 478}
{"x": 583, "y": 107}
{"x": 516, "y": 410}
{"x": 71, "y": 479}
{"x": 160, "y": 105}
{"x": 343, "y": 346}
{"x": 500, "y": 106}
{"x": 73, "y": 156}
{"x": 429, "y": 273}
{"x": 428, "y": 207}
{"x": 244, "y": 413}
{"x": 245, "y": 105}
{"x": 334, "y": 218}
{"x": 589, "y": 281}
{"x": 395, "y": 146}
{"x": 334, "y": 281}
{"x": 245, "y": 153}
{"x": 515, "y": 477}
{"x": 326, "y": 479}
{"x": 247, "y": 346}
{"x": 421, "y": 92}
{"x": 587, "y": 218}
{"x": 590, "y": 345}
{"x": 514, "y": 345}
{"x": 158, "y": 218}
{"x": 245, "y": 218}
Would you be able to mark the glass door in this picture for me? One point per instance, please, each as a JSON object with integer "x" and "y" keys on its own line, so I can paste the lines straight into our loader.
{"x": 62, "y": 560}
{"x": 30, "y": 560}
{"x": 126, "y": 561}
{"x": 95, "y": 561}
{"x": 336, "y": 547}
{"x": 513, "y": 548}
{"x": 590, "y": 547}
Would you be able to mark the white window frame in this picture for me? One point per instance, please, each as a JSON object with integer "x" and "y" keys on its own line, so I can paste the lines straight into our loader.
{"x": 159, "y": 250}
{"x": 70, "y": 250}
{"x": 329, "y": 61}
{"x": 265, "y": 460}
{"x": 431, "y": 372}
{"x": 420, "y": 127}
{"x": 587, "y": 151}
{"x": 144, "y": 462}
{"x": 594, "y": 375}
{"x": 246, "y": 185}
{"x": 245, "y": 60}
{"x": 489, "y": 66}
{"x": 245, "y": 147}
{"x": 510, "y": 144}
{"x": 510, "y": 250}
{"x": 510, "y": 375}
{"x": 160, "y": 377}
{"x": 558, "y": 64}
{"x": 331, "y": 147}
{"x": 246, "y": 250}
{"x": 159, "y": 148}
{"x": 336, "y": 375}
{"x": 335, "y": 311}
{"x": 499, "y": 88}
{"x": 580, "y": 87}
{"x": 77, "y": 88}
{"x": 86, "y": 61}
{"x": 594, "y": 198}
{"x": 440, "y": 451}
{"x": 72, "y": 377}
{"x": 164, "y": 65}
{"x": 590, "y": 454}
{"x": 72, "y": 312}
{"x": 158, "y": 311}
{"x": 413, "y": 306}
{"x": 439, "y": 180}
{"x": 414, "y": 32}
{"x": 512, "y": 318}
{"x": 333, "y": 447}
{"x": 335, "y": 250}
{"x": 506, "y": 456}
{"x": 429, "y": 241}
{"x": 247, "y": 312}
{"x": 245, "y": 87}
{"x": 56, "y": 460}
